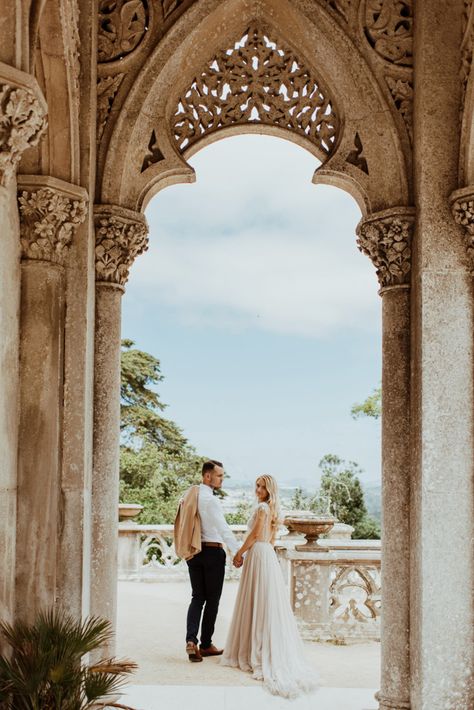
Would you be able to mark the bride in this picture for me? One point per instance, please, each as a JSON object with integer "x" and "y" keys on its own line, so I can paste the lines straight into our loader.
{"x": 263, "y": 637}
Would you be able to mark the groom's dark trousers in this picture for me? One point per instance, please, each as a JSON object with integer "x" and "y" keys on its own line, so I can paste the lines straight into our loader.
{"x": 206, "y": 571}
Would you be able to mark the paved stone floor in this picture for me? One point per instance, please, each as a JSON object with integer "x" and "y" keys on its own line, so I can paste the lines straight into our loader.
{"x": 151, "y": 623}
{"x": 192, "y": 697}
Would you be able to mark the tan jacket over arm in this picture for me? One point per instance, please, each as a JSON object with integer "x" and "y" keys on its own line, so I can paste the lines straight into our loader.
{"x": 187, "y": 526}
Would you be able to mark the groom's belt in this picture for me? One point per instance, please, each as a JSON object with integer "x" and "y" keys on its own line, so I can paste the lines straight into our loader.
{"x": 212, "y": 544}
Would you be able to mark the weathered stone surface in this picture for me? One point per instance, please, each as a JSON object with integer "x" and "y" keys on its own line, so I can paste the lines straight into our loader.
{"x": 390, "y": 141}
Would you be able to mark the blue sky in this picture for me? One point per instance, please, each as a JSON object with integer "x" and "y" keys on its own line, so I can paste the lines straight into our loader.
{"x": 262, "y": 311}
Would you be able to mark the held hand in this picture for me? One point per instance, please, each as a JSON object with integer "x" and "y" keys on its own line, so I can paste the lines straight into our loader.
{"x": 238, "y": 561}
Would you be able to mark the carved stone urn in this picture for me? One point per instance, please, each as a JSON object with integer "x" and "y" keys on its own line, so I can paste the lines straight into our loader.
{"x": 128, "y": 511}
{"x": 311, "y": 525}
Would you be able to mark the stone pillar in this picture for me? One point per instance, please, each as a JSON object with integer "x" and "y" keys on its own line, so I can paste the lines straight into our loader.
{"x": 386, "y": 238}
{"x": 50, "y": 211}
{"x": 22, "y": 122}
{"x": 442, "y": 494}
{"x": 120, "y": 236}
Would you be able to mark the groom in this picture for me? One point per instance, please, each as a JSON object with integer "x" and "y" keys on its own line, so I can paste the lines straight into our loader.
{"x": 200, "y": 533}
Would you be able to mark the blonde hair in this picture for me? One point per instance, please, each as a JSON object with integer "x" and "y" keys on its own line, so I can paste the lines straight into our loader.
{"x": 273, "y": 500}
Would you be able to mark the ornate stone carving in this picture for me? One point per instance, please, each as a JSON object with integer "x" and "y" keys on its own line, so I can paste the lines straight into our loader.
{"x": 107, "y": 88}
{"x": 257, "y": 80}
{"x": 386, "y": 238}
{"x": 462, "y": 206}
{"x": 389, "y": 29}
{"x": 153, "y": 154}
{"x": 48, "y": 219}
{"x": 120, "y": 236}
{"x": 22, "y": 122}
{"x": 122, "y": 26}
{"x": 356, "y": 156}
{"x": 402, "y": 93}
{"x": 355, "y": 595}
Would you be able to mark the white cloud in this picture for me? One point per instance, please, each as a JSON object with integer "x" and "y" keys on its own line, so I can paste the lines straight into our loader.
{"x": 255, "y": 245}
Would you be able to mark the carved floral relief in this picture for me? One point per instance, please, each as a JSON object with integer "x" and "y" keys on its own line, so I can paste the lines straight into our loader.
{"x": 119, "y": 240}
{"x": 22, "y": 122}
{"x": 387, "y": 240}
{"x": 257, "y": 80}
{"x": 389, "y": 29}
{"x": 47, "y": 223}
{"x": 122, "y": 26}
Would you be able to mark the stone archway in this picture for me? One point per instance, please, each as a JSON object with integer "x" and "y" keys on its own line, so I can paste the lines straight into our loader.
{"x": 234, "y": 68}
{"x": 399, "y": 88}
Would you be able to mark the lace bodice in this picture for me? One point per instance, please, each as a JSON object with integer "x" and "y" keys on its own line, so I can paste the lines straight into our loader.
{"x": 266, "y": 533}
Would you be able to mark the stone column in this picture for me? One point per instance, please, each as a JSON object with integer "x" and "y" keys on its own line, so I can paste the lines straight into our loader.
{"x": 50, "y": 211}
{"x": 22, "y": 122}
{"x": 386, "y": 238}
{"x": 121, "y": 235}
{"x": 442, "y": 492}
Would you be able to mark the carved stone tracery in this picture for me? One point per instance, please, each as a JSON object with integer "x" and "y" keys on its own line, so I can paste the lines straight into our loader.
{"x": 462, "y": 206}
{"x": 386, "y": 239}
{"x": 257, "y": 80}
{"x": 22, "y": 123}
{"x": 120, "y": 236}
{"x": 389, "y": 29}
{"x": 107, "y": 88}
{"x": 48, "y": 219}
{"x": 122, "y": 26}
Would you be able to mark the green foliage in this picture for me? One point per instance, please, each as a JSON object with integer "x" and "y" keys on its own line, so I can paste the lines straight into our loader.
{"x": 241, "y": 515}
{"x": 157, "y": 479}
{"x": 340, "y": 493}
{"x": 368, "y": 528}
{"x": 44, "y": 670}
{"x": 340, "y": 482}
{"x": 141, "y": 421}
{"x": 371, "y": 407}
{"x": 300, "y": 501}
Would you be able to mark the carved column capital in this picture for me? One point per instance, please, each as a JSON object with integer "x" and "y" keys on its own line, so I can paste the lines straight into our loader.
{"x": 50, "y": 211}
{"x": 120, "y": 236}
{"x": 386, "y": 238}
{"x": 462, "y": 207}
{"x": 22, "y": 117}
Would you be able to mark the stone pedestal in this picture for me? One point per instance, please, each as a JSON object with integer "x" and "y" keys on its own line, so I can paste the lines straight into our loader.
{"x": 50, "y": 210}
{"x": 120, "y": 236}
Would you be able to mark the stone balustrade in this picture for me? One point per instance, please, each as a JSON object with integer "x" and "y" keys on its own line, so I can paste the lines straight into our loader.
{"x": 335, "y": 593}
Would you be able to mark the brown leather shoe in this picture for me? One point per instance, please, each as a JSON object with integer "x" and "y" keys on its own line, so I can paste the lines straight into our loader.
{"x": 211, "y": 651}
{"x": 194, "y": 654}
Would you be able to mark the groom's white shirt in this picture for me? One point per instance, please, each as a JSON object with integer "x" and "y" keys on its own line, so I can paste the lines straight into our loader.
{"x": 214, "y": 527}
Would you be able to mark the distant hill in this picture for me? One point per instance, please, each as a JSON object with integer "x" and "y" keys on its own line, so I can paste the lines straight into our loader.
{"x": 372, "y": 496}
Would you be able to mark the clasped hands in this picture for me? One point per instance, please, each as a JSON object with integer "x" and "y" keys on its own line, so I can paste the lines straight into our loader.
{"x": 238, "y": 560}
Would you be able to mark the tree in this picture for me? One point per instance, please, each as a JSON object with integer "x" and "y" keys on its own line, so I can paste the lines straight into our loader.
{"x": 300, "y": 501}
{"x": 370, "y": 407}
{"x": 157, "y": 464}
{"x": 341, "y": 484}
{"x": 141, "y": 421}
{"x": 157, "y": 479}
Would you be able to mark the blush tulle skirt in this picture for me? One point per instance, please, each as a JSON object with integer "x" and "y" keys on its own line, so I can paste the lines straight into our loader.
{"x": 263, "y": 637}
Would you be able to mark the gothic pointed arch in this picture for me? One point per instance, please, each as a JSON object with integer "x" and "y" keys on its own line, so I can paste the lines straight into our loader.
{"x": 302, "y": 71}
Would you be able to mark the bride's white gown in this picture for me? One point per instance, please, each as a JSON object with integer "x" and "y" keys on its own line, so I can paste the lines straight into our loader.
{"x": 263, "y": 637}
